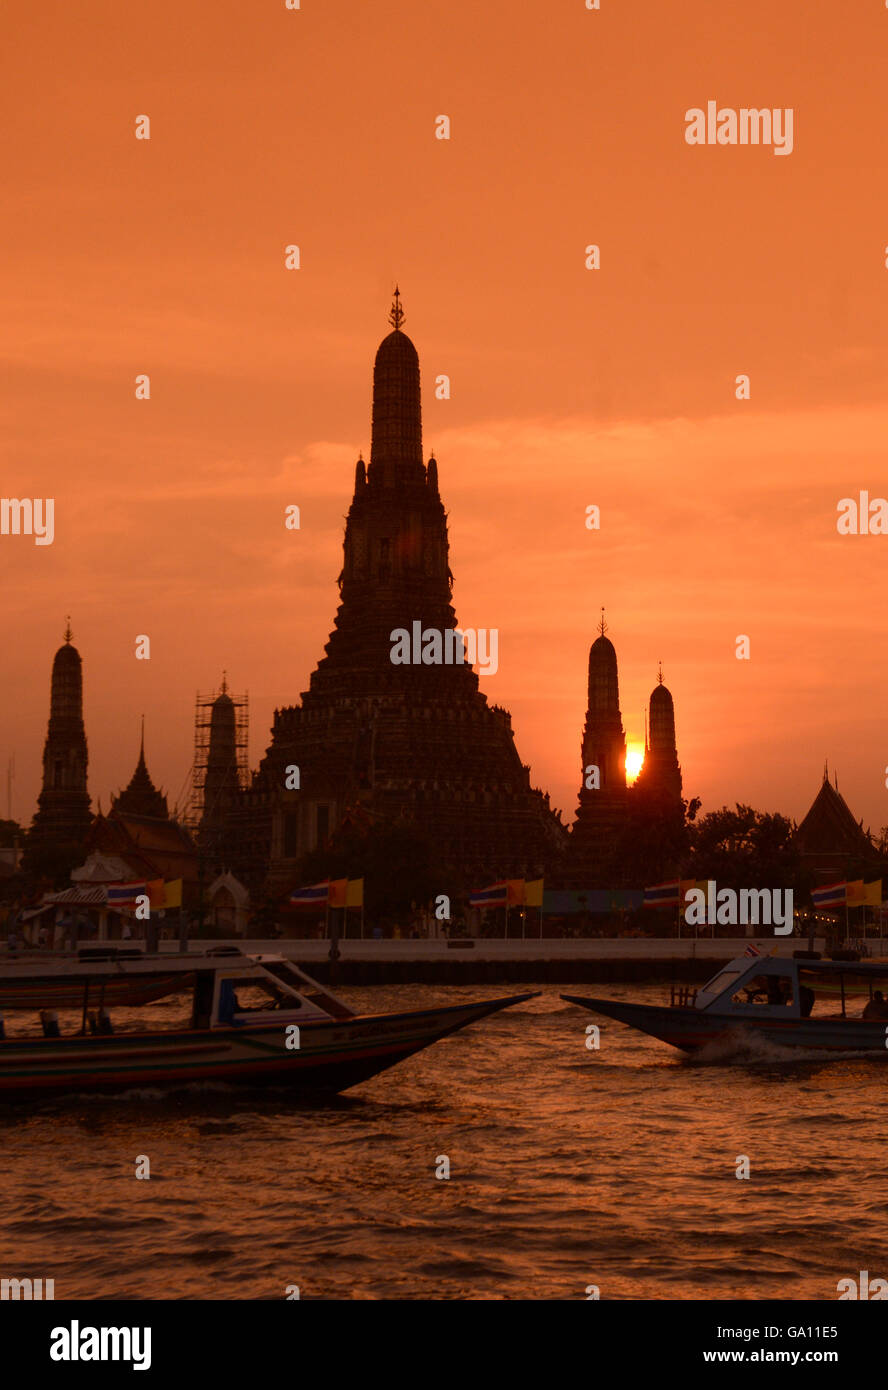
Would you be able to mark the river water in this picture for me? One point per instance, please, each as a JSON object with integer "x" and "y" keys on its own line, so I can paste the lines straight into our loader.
{"x": 568, "y": 1168}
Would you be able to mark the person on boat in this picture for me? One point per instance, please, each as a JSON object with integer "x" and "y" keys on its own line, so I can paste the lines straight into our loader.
{"x": 877, "y": 1007}
{"x": 229, "y": 1004}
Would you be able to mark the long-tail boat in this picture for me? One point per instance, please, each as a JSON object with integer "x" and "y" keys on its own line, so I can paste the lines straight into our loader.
{"x": 253, "y": 1019}
{"x": 802, "y": 1002}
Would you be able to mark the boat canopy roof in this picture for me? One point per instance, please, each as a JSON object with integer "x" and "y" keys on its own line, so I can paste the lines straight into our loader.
{"x": 97, "y": 963}
{"x": 783, "y": 964}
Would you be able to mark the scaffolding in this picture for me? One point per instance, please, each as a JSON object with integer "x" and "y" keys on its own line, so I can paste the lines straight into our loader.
{"x": 203, "y": 718}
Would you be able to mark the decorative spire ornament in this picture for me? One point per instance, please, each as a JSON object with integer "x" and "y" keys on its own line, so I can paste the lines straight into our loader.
{"x": 396, "y": 315}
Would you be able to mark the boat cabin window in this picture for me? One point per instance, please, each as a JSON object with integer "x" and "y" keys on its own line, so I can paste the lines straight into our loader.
{"x": 252, "y": 995}
{"x": 721, "y": 982}
{"x": 772, "y": 990}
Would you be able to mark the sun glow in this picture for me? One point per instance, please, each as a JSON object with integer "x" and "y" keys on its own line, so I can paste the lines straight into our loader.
{"x": 634, "y": 760}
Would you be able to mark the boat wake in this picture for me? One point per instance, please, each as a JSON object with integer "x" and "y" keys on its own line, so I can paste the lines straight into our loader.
{"x": 753, "y": 1048}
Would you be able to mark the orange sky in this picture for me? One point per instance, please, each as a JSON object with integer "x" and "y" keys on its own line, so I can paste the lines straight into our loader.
{"x": 570, "y": 387}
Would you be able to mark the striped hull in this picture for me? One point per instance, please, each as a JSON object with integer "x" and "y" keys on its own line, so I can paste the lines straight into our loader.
{"x": 332, "y": 1056}
{"x": 693, "y": 1029}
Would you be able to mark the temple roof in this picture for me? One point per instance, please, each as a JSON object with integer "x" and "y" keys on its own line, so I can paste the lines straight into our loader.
{"x": 156, "y": 848}
{"x": 141, "y": 797}
{"x": 830, "y": 825}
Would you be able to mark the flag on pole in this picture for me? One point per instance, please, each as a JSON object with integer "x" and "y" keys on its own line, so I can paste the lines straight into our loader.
{"x": 497, "y": 895}
{"x": 338, "y": 888}
{"x": 515, "y": 892}
{"x": 173, "y": 893}
{"x": 354, "y": 893}
{"x": 125, "y": 894}
{"x": 156, "y": 893}
{"x": 830, "y": 895}
{"x": 752, "y": 950}
{"x": 316, "y": 895}
{"x": 860, "y": 894}
{"x": 663, "y": 894}
{"x": 533, "y": 892}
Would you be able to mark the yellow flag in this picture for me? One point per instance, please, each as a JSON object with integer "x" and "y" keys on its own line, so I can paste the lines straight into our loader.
{"x": 337, "y": 892}
{"x": 173, "y": 893}
{"x": 854, "y": 894}
{"x": 533, "y": 892}
{"x": 872, "y": 893}
{"x": 354, "y": 893}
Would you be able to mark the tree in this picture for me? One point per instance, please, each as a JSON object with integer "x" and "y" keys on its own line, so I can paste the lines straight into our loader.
{"x": 745, "y": 848}
{"x": 10, "y": 831}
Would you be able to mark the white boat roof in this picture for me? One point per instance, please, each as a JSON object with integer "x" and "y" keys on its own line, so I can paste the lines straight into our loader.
{"x": 95, "y": 962}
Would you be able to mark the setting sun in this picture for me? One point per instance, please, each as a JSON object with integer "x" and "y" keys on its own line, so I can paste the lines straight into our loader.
{"x": 634, "y": 760}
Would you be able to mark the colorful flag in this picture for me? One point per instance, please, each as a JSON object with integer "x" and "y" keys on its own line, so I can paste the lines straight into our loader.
{"x": 173, "y": 893}
{"x": 156, "y": 893}
{"x": 354, "y": 893}
{"x": 125, "y": 894}
{"x": 338, "y": 887}
{"x": 663, "y": 894}
{"x": 316, "y": 894}
{"x": 515, "y": 892}
{"x": 830, "y": 895}
{"x": 861, "y": 894}
{"x": 752, "y": 950}
{"x": 497, "y": 895}
{"x": 533, "y": 892}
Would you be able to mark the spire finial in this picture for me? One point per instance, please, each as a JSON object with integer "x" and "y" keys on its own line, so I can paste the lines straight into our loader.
{"x": 660, "y": 673}
{"x": 142, "y": 746}
{"x": 396, "y": 316}
{"x": 224, "y": 682}
{"x": 826, "y": 769}
{"x": 68, "y": 633}
{"x": 602, "y": 626}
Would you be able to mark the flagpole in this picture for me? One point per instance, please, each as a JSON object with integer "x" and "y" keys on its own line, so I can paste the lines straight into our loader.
{"x": 327, "y": 918}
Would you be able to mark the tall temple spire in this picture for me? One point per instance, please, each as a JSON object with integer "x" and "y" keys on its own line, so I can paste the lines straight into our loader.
{"x": 400, "y": 742}
{"x": 68, "y": 632}
{"x": 396, "y": 430}
{"x": 63, "y": 814}
{"x": 661, "y": 774}
{"x": 603, "y": 793}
